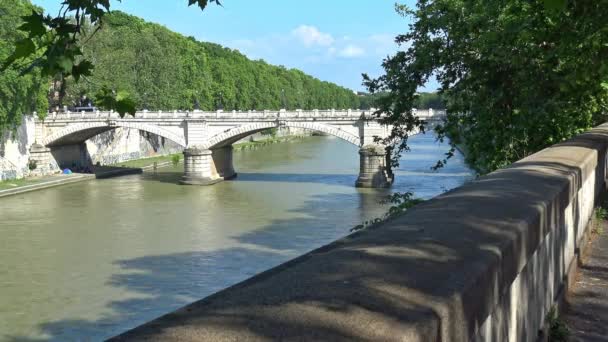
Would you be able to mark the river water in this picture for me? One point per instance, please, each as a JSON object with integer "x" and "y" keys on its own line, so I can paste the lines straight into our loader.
{"x": 86, "y": 261}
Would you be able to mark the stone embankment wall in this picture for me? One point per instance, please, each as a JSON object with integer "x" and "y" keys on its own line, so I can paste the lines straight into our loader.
{"x": 15, "y": 148}
{"x": 110, "y": 147}
{"x": 484, "y": 262}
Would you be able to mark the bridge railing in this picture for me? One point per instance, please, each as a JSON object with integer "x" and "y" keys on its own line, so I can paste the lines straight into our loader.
{"x": 251, "y": 114}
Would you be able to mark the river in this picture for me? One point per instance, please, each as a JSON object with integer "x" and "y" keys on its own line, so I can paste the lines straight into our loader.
{"x": 89, "y": 260}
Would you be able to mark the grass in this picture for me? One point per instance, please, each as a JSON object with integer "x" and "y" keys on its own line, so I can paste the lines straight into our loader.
{"x": 15, "y": 183}
{"x": 558, "y": 330}
{"x": 256, "y": 144}
{"x": 601, "y": 214}
{"x": 139, "y": 163}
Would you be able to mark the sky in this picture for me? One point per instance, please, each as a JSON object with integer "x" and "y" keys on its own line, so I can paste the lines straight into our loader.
{"x": 333, "y": 40}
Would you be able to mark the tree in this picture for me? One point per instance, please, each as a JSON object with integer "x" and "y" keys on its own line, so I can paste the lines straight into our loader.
{"x": 516, "y": 76}
{"x": 141, "y": 65}
{"x": 19, "y": 94}
{"x": 52, "y": 45}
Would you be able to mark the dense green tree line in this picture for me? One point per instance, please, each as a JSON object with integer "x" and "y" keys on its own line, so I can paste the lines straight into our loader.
{"x": 19, "y": 94}
{"x": 159, "y": 69}
{"x": 165, "y": 70}
{"x": 516, "y": 76}
{"x": 424, "y": 100}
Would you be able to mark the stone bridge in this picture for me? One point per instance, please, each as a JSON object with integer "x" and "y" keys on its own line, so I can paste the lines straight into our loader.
{"x": 207, "y": 137}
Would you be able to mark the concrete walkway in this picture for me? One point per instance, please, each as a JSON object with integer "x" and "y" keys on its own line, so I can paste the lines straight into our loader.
{"x": 586, "y": 312}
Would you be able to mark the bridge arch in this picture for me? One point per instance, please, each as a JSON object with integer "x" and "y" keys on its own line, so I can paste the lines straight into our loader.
{"x": 77, "y": 133}
{"x": 233, "y": 135}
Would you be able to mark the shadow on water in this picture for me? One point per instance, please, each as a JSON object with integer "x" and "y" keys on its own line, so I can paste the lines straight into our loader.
{"x": 329, "y": 179}
{"x": 163, "y": 283}
{"x": 164, "y": 287}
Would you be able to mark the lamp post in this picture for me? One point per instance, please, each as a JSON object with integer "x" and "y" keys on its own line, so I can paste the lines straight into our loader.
{"x": 283, "y": 98}
{"x": 220, "y": 105}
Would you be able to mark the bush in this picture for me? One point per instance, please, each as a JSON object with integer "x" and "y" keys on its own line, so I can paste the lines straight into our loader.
{"x": 175, "y": 159}
{"x": 32, "y": 164}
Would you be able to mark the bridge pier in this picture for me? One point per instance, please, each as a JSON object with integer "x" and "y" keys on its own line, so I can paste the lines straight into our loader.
{"x": 374, "y": 168}
{"x": 199, "y": 168}
{"x": 222, "y": 158}
{"x": 206, "y": 167}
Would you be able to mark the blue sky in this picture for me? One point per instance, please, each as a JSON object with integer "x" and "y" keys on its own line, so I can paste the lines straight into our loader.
{"x": 334, "y": 40}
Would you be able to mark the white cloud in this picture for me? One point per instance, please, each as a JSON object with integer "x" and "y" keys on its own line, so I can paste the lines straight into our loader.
{"x": 310, "y": 36}
{"x": 352, "y": 51}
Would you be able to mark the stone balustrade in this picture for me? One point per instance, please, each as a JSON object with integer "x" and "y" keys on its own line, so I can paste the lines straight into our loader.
{"x": 205, "y": 135}
{"x": 483, "y": 262}
{"x": 251, "y": 114}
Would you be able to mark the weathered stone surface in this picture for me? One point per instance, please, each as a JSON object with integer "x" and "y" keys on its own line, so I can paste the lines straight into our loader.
{"x": 374, "y": 171}
{"x": 199, "y": 168}
{"x": 483, "y": 262}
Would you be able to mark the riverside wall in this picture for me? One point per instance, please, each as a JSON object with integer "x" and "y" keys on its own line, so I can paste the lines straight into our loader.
{"x": 483, "y": 262}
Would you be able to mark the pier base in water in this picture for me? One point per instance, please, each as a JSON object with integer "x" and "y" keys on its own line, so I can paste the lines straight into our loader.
{"x": 374, "y": 171}
{"x": 207, "y": 167}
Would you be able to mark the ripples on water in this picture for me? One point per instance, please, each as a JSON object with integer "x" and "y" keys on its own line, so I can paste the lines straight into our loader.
{"x": 90, "y": 260}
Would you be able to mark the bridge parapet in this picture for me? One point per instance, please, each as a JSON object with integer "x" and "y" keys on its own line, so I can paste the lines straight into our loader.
{"x": 210, "y": 131}
{"x": 351, "y": 114}
{"x": 251, "y": 114}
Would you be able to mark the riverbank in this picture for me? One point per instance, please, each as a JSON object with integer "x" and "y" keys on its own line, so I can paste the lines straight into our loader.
{"x": 19, "y": 186}
{"x": 273, "y": 140}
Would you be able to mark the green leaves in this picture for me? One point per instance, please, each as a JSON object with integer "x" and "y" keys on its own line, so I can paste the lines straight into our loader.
{"x": 120, "y": 101}
{"x": 52, "y": 44}
{"x": 84, "y": 68}
{"x": 516, "y": 75}
{"x": 555, "y": 5}
{"x": 23, "y": 48}
{"x": 19, "y": 94}
{"x": 34, "y": 25}
{"x": 203, "y": 3}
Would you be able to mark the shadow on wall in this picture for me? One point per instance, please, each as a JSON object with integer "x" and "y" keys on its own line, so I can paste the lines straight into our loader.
{"x": 441, "y": 267}
{"x": 72, "y": 156}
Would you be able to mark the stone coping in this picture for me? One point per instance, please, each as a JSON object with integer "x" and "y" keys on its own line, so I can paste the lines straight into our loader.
{"x": 480, "y": 262}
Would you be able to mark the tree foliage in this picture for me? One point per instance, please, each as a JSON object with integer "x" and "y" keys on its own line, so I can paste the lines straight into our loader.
{"x": 19, "y": 94}
{"x": 162, "y": 69}
{"x": 424, "y": 100}
{"x": 126, "y": 64}
{"x": 52, "y": 45}
{"x": 516, "y": 76}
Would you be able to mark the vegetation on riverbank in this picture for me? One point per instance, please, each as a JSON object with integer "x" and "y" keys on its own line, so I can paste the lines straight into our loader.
{"x": 15, "y": 183}
{"x": 162, "y": 69}
{"x": 400, "y": 203}
{"x": 249, "y": 145}
{"x": 516, "y": 76}
{"x": 19, "y": 94}
{"x": 141, "y": 65}
{"x": 172, "y": 158}
{"x": 148, "y": 162}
